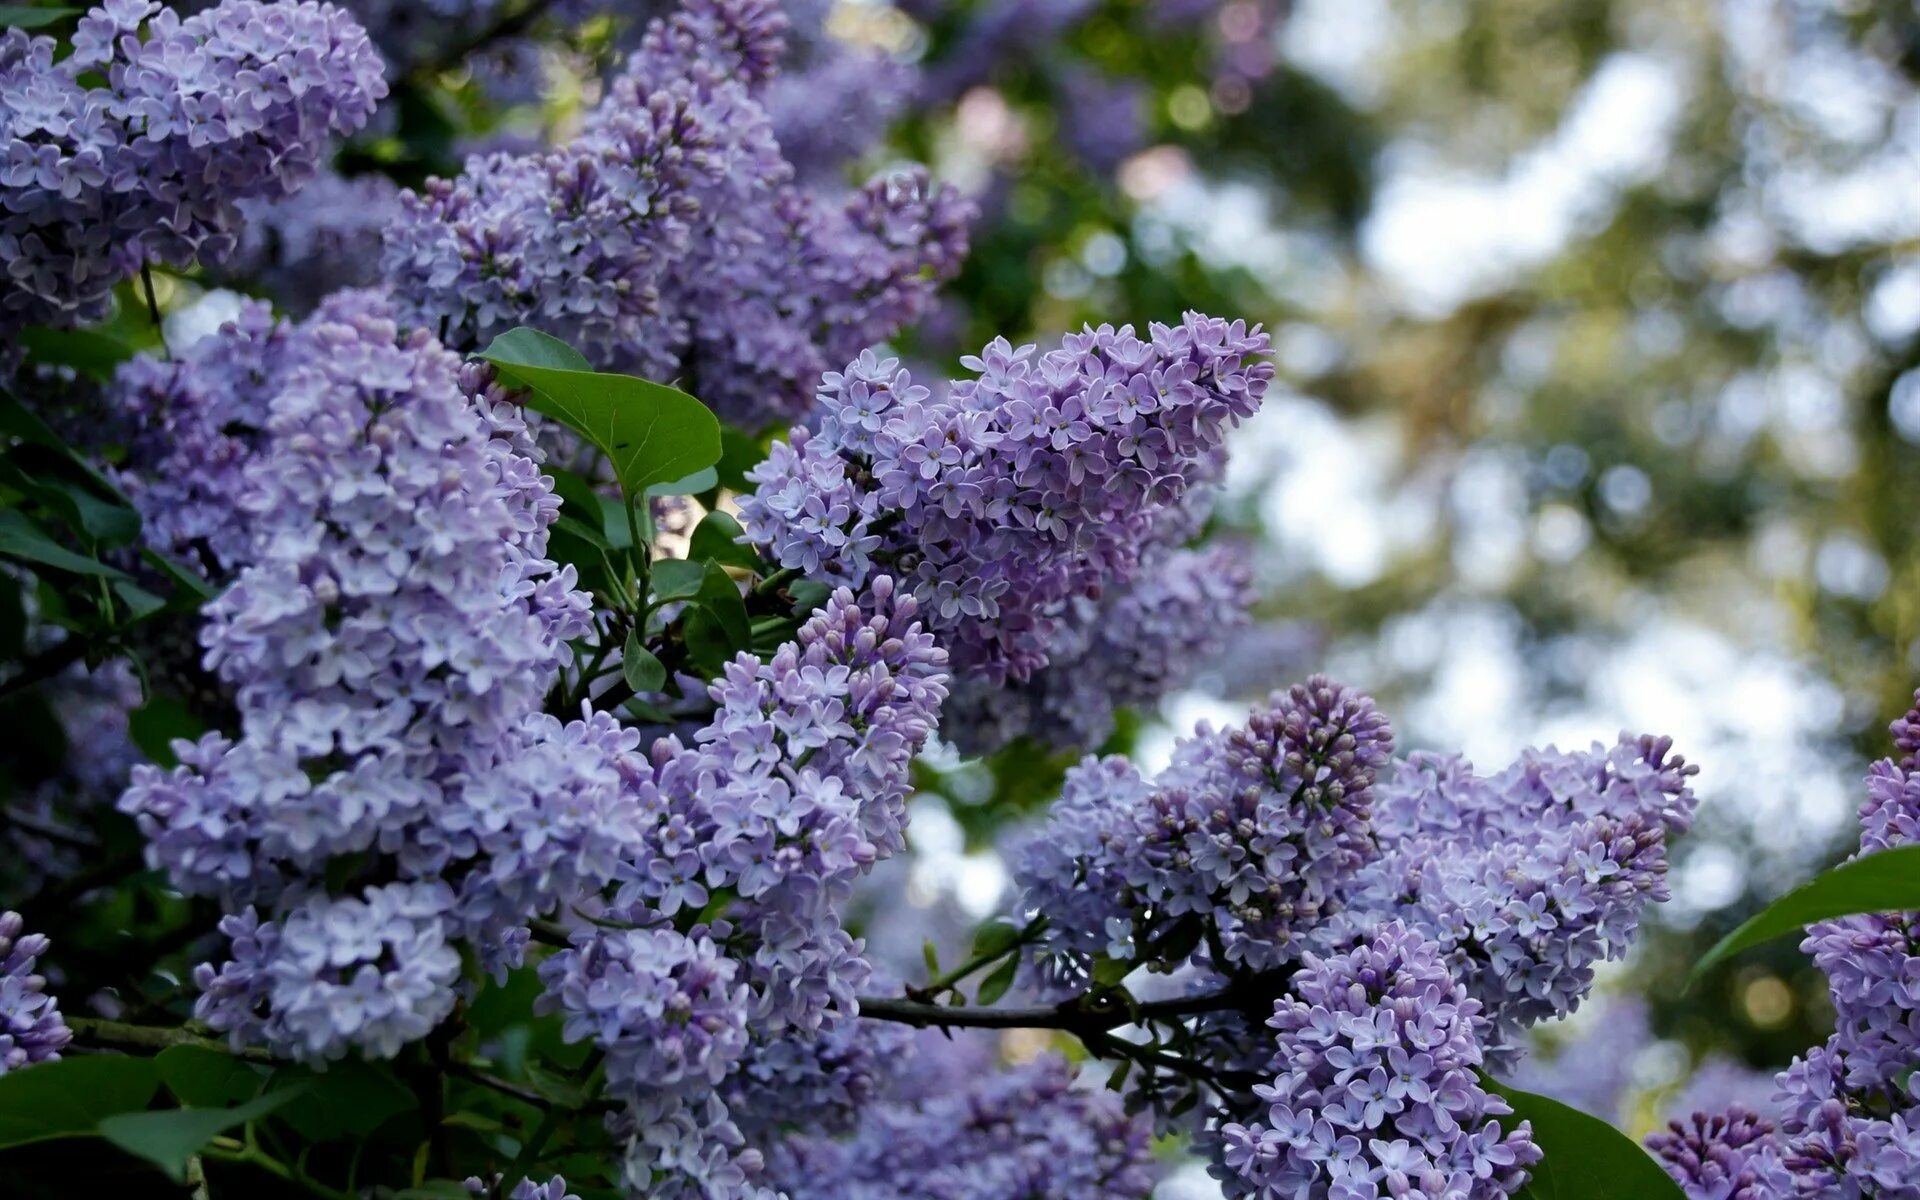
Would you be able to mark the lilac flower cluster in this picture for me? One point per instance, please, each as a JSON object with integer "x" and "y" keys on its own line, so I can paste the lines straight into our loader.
{"x": 198, "y": 422}
{"x": 373, "y": 972}
{"x": 670, "y": 238}
{"x": 795, "y": 787}
{"x": 1728, "y": 1156}
{"x": 664, "y": 1007}
{"x": 1128, "y": 648}
{"x": 31, "y": 1028}
{"x": 1849, "y": 1112}
{"x": 1528, "y": 878}
{"x": 389, "y": 636}
{"x": 1040, "y": 481}
{"x": 1249, "y": 836}
{"x": 1023, "y": 1132}
{"x": 149, "y": 164}
{"x": 1374, "y": 1089}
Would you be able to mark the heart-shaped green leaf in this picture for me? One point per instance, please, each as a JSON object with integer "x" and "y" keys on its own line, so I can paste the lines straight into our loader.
{"x": 651, "y": 434}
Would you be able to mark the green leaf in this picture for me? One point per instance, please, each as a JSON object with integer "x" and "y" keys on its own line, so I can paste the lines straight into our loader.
{"x": 156, "y": 724}
{"x": 22, "y": 16}
{"x": 643, "y": 672}
{"x": 1108, "y": 972}
{"x": 22, "y": 539}
{"x": 995, "y": 938}
{"x": 720, "y": 596}
{"x": 700, "y": 481}
{"x": 1886, "y": 881}
{"x": 169, "y": 1139}
{"x": 16, "y": 420}
{"x": 86, "y": 351}
{"x": 1583, "y": 1157}
{"x": 930, "y": 954}
{"x": 739, "y": 453}
{"x": 202, "y": 1077}
{"x": 677, "y": 578}
{"x": 348, "y": 1100}
{"x": 651, "y": 433}
{"x": 70, "y": 1097}
{"x": 717, "y": 539}
{"x": 995, "y": 985}
{"x": 808, "y": 594}
{"x": 531, "y": 348}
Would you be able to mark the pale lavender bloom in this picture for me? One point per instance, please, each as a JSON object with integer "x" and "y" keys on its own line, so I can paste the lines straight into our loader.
{"x": 1526, "y": 879}
{"x": 237, "y": 102}
{"x": 31, "y": 1027}
{"x": 1374, "y": 1088}
{"x": 366, "y": 974}
{"x": 1247, "y": 838}
{"x": 670, "y": 239}
{"x": 1023, "y": 1132}
{"x": 1041, "y": 480}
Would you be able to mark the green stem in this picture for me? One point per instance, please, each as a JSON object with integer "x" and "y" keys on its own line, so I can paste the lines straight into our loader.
{"x": 148, "y": 1039}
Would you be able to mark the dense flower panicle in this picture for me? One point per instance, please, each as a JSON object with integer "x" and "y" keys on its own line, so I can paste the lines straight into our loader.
{"x": 1129, "y": 648}
{"x": 31, "y": 1027}
{"x": 1250, "y": 833}
{"x": 366, "y": 974}
{"x": 1526, "y": 879}
{"x": 832, "y": 110}
{"x": 1375, "y": 1092}
{"x": 199, "y": 420}
{"x": 385, "y": 622}
{"x": 821, "y": 1081}
{"x": 1022, "y": 1134}
{"x": 148, "y": 164}
{"x": 1849, "y": 1114}
{"x": 1730, "y": 1156}
{"x": 670, "y": 238}
{"x": 795, "y": 787}
{"x": 664, "y": 1007}
{"x": 1040, "y": 481}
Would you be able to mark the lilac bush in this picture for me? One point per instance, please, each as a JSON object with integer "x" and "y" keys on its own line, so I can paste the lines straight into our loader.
{"x": 512, "y": 822}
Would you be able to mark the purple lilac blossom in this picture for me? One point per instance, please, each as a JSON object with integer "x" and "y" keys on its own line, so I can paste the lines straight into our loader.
{"x": 391, "y": 620}
{"x": 1528, "y": 878}
{"x": 1129, "y": 648}
{"x": 1040, "y": 481}
{"x": 199, "y": 420}
{"x": 1849, "y": 1116}
{"x": 1250, "y": 834}
{"x": 188, "y": 119}
{"x": 664, "y": 1007}
{"x": 527, "y": 1189}
{"x": 1374, "y": 1087}
{"x": 389, "y": 636}
{"x": 670, "y": 238}
{"x": 1729, "y": 1156}
{"x": 31, "y": 1027}
{"x": 1026, "y": 1132}
{"x": 370, "y": 973}
{"x": 794, "y": 789}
